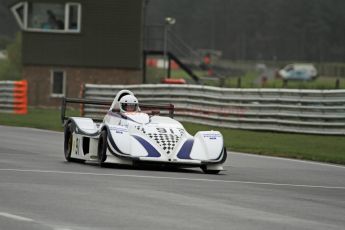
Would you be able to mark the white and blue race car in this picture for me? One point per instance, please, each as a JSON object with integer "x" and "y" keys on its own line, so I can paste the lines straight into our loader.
{"x": 127, "y": 135}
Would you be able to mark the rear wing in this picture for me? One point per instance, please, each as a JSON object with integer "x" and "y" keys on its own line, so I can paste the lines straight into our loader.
{"x": 148, "y": 108}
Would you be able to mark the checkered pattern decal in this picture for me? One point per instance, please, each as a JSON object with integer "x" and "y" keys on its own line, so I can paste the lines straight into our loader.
{"x": 167, "y": 141}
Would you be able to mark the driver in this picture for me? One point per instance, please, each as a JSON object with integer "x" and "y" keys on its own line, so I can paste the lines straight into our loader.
{"x": 129, "y": 103}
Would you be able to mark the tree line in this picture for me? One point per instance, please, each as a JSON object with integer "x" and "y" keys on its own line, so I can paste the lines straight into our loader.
{"x": 301, "y": 30}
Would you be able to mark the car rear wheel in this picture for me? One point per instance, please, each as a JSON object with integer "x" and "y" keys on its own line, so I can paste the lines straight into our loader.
{"x": 102, "y": 147}
{"x": 68, "y": 142}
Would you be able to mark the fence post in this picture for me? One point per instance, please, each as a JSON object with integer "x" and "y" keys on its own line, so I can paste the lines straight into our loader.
{"x": 239, "y": 82}
{"x": 221, "y": 81}
{"x": 337, "y": 83}
{"x": 285, "y": 83}
{"x": 263, "y": 81}
{"x": 82, "y": 94}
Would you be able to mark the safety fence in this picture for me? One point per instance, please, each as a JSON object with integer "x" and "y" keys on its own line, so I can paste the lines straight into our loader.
{"x": 283, "y": 110}
{"x": 13, "y": 97}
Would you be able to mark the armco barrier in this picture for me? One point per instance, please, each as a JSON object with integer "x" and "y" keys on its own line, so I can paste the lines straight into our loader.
{"x": 13, "y": 97}
{"x": 299, "y": 111}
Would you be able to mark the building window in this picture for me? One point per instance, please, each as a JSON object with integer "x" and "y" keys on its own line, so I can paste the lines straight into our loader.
{"x": 73, "y": 12}
{"x": 48, "y": 17}
{"x": 58, "y": 83}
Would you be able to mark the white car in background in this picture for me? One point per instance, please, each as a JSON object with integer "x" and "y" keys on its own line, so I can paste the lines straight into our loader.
{"x": 300, "y": 71}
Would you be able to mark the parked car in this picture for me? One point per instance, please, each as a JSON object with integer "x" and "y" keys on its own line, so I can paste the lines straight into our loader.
{"x": 304, "y": 72}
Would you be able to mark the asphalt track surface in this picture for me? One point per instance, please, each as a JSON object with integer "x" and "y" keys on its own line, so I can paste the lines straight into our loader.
{"x": 39, "y": 190}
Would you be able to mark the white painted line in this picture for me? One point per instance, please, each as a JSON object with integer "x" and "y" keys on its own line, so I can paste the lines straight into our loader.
{"x": 286, "y": 159}
{"x": 176, "y": 178}
{"x": 15, "y": 217}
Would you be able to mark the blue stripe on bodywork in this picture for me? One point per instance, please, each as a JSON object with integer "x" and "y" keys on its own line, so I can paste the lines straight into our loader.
{"x": 149, "y": 148}
{"x": 185, "y": 150}
{"x": 112, "y": 142}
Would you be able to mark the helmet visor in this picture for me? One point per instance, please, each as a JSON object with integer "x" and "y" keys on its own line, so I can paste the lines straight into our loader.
{"x": 129, "y": 107}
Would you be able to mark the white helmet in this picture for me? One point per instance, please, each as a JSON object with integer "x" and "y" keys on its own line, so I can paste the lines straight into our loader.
{"x": 129, "y": 103}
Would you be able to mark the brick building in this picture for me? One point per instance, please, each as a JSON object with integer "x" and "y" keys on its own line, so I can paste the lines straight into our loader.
{"x": 69, "y": 43}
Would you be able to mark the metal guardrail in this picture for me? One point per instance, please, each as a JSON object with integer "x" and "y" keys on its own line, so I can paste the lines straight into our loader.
{"x": 283, "y": 110}
{"x": 13, "y": 97}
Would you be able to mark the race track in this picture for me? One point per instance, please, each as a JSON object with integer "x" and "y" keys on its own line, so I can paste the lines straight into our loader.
{"x": 39, "y": 190}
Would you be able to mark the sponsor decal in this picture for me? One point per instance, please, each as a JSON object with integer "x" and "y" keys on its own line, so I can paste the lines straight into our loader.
{"x": 211, "y": 136}
{"x": 118, "y": 130}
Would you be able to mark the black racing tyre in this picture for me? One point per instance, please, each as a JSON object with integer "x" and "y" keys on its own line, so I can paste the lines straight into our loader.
{"x": 102, "y": 147}
{"x": 68, "y": 140}
{"x": 209, "y": 171}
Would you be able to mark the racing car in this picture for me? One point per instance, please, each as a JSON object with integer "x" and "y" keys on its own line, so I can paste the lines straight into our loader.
{"x": 128, "y": 135}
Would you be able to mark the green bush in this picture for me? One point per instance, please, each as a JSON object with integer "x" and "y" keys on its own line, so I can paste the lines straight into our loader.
{"x": 10, "y": 69}
{"x": 4, "y": 41}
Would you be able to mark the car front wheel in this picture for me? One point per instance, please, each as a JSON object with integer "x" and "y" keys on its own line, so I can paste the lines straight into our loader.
{"x": 68, "y": 142}
{"x": 102, "y": 147}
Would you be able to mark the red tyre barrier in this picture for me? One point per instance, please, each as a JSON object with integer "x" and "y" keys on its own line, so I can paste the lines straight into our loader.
{"x": 13, "y": 97}
{"x": 151, "y": 62}
{"x": 174, "y": 81}
{"x": 161, "y": 63}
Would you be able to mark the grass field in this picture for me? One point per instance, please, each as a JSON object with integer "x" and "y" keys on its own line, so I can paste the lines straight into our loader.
{"x": 36, "y": 118}
{"x": 250, "y": 79}
{"x": 309, "y": 147}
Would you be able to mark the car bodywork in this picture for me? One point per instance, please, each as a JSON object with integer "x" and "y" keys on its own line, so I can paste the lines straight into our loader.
{"x": 299, "y": 72}
{"x": 138, "y": 137}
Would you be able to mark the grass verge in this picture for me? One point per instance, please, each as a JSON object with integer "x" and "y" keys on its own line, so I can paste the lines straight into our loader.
{"x": 300, "y": 146}
{"x": 36, "y": 118}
